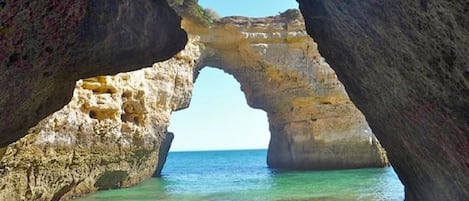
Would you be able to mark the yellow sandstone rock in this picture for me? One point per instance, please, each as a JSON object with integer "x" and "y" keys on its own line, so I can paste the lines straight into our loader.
{"x": 110, "y": 135}
{"x": 313, "y": 123}
{"x": 114, "y": 131}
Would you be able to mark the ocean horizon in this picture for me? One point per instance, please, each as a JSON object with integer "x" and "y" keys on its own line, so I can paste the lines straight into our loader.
{"x": 233, "y": 175}
{"x": 217, "y": 150}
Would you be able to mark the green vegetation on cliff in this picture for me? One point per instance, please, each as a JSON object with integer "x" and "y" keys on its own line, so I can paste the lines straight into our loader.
{"x": 290, "y": 14}
{"x": 190, "y": 9}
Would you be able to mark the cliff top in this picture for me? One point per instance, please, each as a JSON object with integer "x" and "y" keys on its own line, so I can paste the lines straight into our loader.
{"x": 288, "y": 16}
{"x": 191, "y": 10}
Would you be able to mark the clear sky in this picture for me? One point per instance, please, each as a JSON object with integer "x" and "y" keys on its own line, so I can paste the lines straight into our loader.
{"x": 249, "y": 8}
{"x": 218, "y": 117}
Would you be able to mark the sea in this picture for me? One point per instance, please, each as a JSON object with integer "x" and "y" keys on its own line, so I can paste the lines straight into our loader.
{"x": 243, "y": 175}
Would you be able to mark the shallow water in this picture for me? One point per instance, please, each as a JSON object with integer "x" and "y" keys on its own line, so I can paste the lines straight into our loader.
{"x": 243, "y": 175}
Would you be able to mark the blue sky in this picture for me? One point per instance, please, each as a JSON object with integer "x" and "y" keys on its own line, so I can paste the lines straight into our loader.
{"x": 248, "y": 8}
{"x": 218, "y": 117}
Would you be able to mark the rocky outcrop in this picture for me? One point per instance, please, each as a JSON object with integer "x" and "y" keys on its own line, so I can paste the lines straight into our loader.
{"x": 112, "y": 134}
{"x": 64, "y": 41}
{"x": 405, "y": 65}
{"x": 313, "y": 123}
{"x": 114, "y": 131}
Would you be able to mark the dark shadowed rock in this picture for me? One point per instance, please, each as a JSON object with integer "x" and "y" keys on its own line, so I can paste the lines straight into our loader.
{"x": 45, "y": 46}
{"x": 404, "y": 64}
{"x": 163, "y": 152}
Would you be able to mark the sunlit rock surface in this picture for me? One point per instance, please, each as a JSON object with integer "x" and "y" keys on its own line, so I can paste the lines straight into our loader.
{"x": 313, "y": 123}
{"x": 110, "y": 135}
{"x": 406, "y": 65}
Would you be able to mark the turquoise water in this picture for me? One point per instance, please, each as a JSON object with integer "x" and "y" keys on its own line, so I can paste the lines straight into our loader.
{"x": 243, "y": 175}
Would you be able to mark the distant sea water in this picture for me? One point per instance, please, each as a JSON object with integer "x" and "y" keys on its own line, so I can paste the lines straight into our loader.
{"x": 244, "y": 175}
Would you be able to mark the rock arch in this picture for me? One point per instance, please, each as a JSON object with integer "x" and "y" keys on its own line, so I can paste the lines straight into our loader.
{"x": 313, "y": 123}
{"x": 411, "y": 20}
{"x": 114, "y": 131}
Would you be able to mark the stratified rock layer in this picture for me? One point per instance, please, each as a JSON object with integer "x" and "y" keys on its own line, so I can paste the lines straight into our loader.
{"x": 313, "y": 123}
{"x": 112, "y": 134}
{"x": 46, "y": 46}
{"x": 405, "y": 65}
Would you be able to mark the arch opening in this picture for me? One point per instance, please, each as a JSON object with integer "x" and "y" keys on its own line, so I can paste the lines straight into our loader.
{"x": 218, "y": 117}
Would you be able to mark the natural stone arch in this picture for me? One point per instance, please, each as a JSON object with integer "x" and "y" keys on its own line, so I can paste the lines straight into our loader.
{"x": 114, "y": 131}
{"x": 402, "y": 139}
{"x": 313, "y": 123}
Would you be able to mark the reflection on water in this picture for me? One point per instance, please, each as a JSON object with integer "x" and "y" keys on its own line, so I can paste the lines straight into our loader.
{"x": 243, "y": 175}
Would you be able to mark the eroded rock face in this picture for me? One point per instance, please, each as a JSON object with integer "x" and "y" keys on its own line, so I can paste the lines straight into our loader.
{"x": 46, "y": 46}
{"x": 112, "y": 134}
{"x": 405, "y": 65}
{"x": 313, "y": 123}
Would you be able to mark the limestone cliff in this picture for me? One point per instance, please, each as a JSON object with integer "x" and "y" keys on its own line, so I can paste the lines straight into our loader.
{"x": 110, "y": 134}
{"x": 405, "y": 65}
{"x": 313, "y": 123}
{"x": 113, "y": 132}
{"x": 46, "y": 46}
